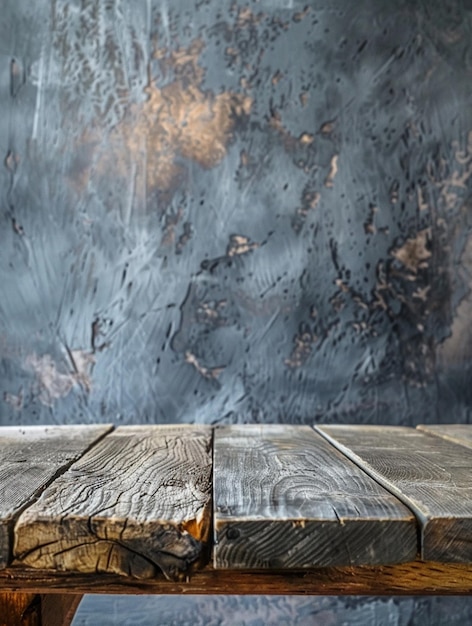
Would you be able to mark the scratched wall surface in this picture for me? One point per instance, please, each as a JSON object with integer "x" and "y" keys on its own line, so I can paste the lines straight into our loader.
{"x": 227, "y": 211}
{"x": 272, "y": 611}
{"x": 235, "y": 210}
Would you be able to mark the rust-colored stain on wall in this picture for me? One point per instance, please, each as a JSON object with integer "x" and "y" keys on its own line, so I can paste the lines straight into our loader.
{"x": 182, "y": 120}
{"x": 414, "y": 253}
{"x": 178, "y": 122}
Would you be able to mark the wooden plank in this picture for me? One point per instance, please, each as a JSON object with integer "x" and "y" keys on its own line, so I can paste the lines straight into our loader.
{"x": 139, "y": 503}
{"x": 431, "y": 475}
{"x": 30, "y": 458}
{"x": 457, "y": 433}
{"x": 285, "y": 498}
{"x": 413, "y": 578}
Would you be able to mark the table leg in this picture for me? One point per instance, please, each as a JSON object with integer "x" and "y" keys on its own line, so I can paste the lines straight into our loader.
{"x": 59, "y": 609}
{"x": 20, "y": 609}
{"x": 29, "y": 609}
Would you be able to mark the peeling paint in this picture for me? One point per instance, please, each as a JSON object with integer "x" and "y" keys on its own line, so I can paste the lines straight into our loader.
{"x": 333, "y": 170}
{"x": 238, "y": 244}
{"x": 14, "y": 400}
{"x": 54, "y": 384}
{"x": 454, "y": 350}
{"x": 414, "y": 253}
{"x": 302, "y": 348}
{"x": 206, "y": 372}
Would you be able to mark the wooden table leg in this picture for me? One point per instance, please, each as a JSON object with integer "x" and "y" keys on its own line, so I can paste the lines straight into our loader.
{"x": 59, "y": 610}
{"x": 29, "y": 609}
{"x": 20, "y": 609}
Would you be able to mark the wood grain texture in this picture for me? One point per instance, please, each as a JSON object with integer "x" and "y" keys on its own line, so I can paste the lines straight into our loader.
{"x": 431, "y": 475}
{"x": 34, "y": 609}
{"x": 30, "y": 458}
{"x": 285, "y": 498}
{"x": 20, "y": 609}
{"x": 137, "y": 504}
{"x": 413, "y": 578}
{"x": 457, "y": 433}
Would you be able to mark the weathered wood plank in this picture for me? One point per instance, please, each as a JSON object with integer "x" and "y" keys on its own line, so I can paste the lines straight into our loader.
{"x": 457, "y": 433}
{"x": 431, "y": 475}
{"x": 413, "y": 578}
{"x": 137, "y": 504}
{"x": 285, "y": 498}
{"x": 30, "y": 458}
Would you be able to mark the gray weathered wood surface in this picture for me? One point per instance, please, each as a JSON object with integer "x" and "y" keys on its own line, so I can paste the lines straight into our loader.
{"x": 136, "y": 504}
{"x": 457, "y": 433}
{"x": 285, "y": 498}
{"x": 431, "y": 475}
{"x": 30, "y": 458}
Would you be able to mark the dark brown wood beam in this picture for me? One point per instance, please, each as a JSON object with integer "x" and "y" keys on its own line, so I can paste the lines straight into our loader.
{"x": 414, "y": 578}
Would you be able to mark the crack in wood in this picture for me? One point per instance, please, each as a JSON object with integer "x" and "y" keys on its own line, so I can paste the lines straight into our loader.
{"x": 97, "y": 517}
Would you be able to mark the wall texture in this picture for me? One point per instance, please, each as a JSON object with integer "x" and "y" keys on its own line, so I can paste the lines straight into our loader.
{"x": 236, "y": 210}
{"x": 271, "y": 611}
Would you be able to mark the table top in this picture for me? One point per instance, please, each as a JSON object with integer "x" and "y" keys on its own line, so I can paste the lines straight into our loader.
{"x": 198, "y": 509}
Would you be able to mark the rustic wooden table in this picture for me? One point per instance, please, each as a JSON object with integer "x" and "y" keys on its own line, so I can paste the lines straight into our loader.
{"x": 271, "y": 509}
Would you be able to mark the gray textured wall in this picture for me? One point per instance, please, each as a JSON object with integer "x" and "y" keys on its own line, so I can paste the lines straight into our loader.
{"x": 230, "y": 210}
{"x": 272, "y": 611}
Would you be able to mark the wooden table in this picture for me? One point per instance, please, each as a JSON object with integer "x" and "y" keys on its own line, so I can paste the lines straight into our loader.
{"x": 273, "y": 509}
